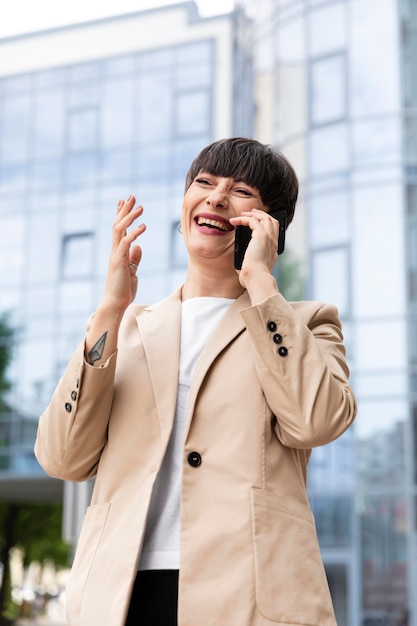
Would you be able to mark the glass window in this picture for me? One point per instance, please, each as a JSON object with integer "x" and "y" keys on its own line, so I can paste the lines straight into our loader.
{"x": 13, "y": 179}
{"x": 291, "y": 43}
{"x": 374, "y": 63}
{"x": 154, "y": 107}
{"x": 48, "y": 129}
{"x": 377, "y": 141}
{"x": 51, "y": 78}
{"x": 156, "y": 59}
{"x": 116, "y": 164}
{"x": 117, "y": 110}
{"x": 42, "y": 240}
{"x": 328, "y": 89}
{"x": 14, "y": 140}
{"x": 75, "y": 303}
{"x": 329, "y": 218}
{"x": 193, "y": 76}
{"x": 330, "y": 278}
{"x": 77, "y": 255}
{"x": 81, "y": 170}
{"x": 185, "y": 152}
{"x": 12, "y": 240}
{"x": 329, "y": 149}
{"x": 46, "y": 174}
{"x": 378, "y": 250}
{"x": 82, "y": 130}
{"x": 328, "y": 28}
{"x": 121, "y": 65}
{"x": 192, "y": 113}
{"x": 412, "y": 263}
{"x": 18, "y": 84}
{"x": 199, "y": 52}
{"x": 85, "y": 73}
{"x": 84, "y": 95}
{"x": 153, "y": 163}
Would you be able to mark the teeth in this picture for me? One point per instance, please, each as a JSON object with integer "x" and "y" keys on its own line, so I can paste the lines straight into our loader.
{"x": 204, "y": 221}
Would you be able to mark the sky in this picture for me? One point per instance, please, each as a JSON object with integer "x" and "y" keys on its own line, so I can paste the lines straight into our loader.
{"x": 23, "y": 16}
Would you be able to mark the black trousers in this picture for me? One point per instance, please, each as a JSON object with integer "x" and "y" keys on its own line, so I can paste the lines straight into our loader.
{"x": 154, "y": 600}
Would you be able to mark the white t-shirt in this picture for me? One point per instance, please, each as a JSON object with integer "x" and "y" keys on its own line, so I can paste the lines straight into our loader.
{"x": 161, "y": 543}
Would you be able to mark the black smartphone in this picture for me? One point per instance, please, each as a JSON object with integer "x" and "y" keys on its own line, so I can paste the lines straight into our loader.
{"x": 243, "y": 236}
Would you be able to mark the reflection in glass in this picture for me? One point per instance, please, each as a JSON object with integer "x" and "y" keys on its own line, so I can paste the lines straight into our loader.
{"x": 329, "y": 151}
{"x": 329, "y": 218}
{"x": 14, "y": 139}
{"x": 328, "y": 89}
{"x": 377, "y": 141}
{"x": 77, "y": 255}
{"x": 331, "y": 277}
{"x": 153, "y": 107}
{"x": 328, "y": 28}
{"x": 82, "y": 129}
{"x": 48, "y": 123}
{"x": 192, "y": 113}
{"x": 117, "y": 107}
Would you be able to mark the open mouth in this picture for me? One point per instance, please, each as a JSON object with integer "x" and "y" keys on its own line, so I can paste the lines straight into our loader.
{"x": 214, "y": 224}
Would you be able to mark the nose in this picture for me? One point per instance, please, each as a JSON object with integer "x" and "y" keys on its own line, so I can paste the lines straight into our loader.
{"x": 218, "y": 198}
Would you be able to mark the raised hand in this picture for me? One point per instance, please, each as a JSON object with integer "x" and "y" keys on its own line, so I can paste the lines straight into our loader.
{"x": 125, "y": 256}
{"x": 121, "y": 284}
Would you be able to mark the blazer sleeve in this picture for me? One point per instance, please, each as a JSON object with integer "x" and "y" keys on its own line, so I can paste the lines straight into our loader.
{"x": 300, "y": 360}
{"x": 72, "y": 430}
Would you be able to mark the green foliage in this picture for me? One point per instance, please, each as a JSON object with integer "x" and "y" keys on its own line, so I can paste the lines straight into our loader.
{"x": 289, "y": 276}
{"x": 6, "y": 338}
{"x": 38, "y": 533}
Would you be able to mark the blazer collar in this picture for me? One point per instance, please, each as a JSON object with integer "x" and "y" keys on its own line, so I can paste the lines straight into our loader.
{"x": 159, "y": 326}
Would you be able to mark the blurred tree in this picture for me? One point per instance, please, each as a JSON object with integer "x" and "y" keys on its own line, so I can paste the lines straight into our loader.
{"x": 288, "y": 272}
{"x": 36, "y": 529}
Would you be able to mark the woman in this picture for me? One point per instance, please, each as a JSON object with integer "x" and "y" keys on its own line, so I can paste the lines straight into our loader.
{"x": 197, "y": 416}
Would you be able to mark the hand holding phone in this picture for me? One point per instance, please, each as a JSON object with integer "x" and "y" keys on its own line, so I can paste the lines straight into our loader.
{"x": 243, "y": 235}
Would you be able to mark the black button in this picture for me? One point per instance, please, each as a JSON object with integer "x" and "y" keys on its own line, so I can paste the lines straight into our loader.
{"x": 68, "y": 407}
{"x": 74, "y": 395}
{"x": 282, "y": 351}
{"x": 271, "y": 326}
{"x": 277, "y": 338}
{"x": 194, "y": 459}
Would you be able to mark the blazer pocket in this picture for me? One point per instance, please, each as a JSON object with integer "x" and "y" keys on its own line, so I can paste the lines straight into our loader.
{"x": 291, "y": 584}
{"x": 88, "y": 542}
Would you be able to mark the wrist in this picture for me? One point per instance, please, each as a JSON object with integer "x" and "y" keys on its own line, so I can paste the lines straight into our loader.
{"x": 260, "y": 286}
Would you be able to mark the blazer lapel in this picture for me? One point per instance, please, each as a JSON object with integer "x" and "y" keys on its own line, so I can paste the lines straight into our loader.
{"x": 159, "y": 328}
{"x": 230, "y": 327}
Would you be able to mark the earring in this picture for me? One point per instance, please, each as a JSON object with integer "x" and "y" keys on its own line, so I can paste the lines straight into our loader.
{"x": 179, "y": 229}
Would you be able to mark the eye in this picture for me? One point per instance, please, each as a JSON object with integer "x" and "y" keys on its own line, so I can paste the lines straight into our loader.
{"x": 202, "y": 181}
{"x": 244, "y": 192}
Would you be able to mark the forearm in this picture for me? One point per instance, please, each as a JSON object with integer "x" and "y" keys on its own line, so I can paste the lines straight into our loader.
{"x": 301, "y": 364}
{"x": 102, "y": 334}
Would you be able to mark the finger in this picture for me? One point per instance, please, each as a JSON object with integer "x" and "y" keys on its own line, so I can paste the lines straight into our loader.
{"x": 135, "y": 255}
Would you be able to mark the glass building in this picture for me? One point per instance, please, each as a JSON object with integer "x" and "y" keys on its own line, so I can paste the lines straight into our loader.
{"x": 342, "y": 74}
{"x": 96, "y": 111}
{"x": 89, "y": 114}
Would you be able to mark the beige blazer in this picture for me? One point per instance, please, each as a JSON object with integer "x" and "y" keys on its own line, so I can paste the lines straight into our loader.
{"x": 270, "y": 384}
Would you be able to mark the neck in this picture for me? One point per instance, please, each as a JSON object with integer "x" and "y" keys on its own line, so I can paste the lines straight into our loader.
{"x": 199, "y": 284}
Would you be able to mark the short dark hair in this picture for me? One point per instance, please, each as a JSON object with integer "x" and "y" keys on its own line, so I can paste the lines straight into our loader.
{"x": 257, "y": 164}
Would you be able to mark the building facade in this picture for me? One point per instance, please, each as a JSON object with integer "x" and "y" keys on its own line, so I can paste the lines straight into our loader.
{"x": 89, "y": 114}
{"x": 93, "y": 112}
{"x": 342, "y": 77}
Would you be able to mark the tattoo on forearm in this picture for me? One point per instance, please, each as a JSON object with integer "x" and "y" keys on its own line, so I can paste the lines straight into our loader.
{"x": 97, "y": 350}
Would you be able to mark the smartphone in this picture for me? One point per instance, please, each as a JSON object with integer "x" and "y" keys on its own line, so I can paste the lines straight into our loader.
{"x": 243, "y": 235}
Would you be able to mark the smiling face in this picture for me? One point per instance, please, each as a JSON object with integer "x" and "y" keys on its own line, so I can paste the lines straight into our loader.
{"x": 209, "y": 202}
